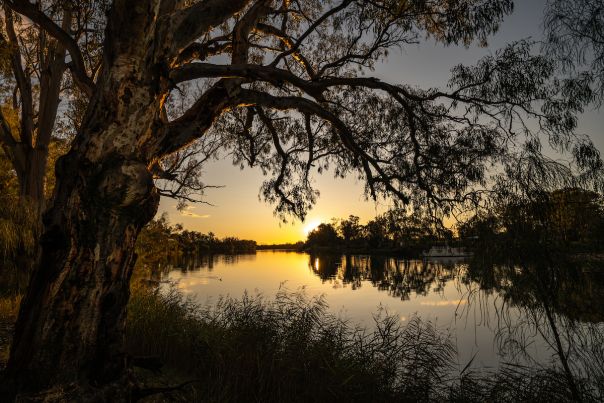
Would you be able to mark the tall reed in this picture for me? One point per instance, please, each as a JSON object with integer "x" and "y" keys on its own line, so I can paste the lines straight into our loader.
{"x": 288, "y": 349}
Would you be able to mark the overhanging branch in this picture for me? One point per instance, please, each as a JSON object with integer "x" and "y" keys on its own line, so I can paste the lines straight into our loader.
{"x": 370, "y": 166}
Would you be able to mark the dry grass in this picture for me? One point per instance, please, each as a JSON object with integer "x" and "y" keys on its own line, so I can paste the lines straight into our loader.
{"x": 9, "y": 307}
{"x": 292, "y": 349}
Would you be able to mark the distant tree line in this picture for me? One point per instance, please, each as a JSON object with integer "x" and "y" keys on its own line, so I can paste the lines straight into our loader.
{"x": 393, "y": 231}
{"x": 160, "y": 242}
{"x": 296, "y": 246}
{"x": 568, "y": 219}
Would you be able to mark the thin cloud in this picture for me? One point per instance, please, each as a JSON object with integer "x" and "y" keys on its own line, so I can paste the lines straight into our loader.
{"x": 188, "y": 211}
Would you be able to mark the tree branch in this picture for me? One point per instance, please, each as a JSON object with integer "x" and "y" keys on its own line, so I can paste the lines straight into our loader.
{"x": 203, "y": 51}
{"x": 50, "y": 87}
{"x": 183, "y": 27}
{"x": 277, "y": 77}
{"x": 23, "y": 82}
{"x": 173, "y": 136}
{"x": 289, "y": 44}
{"x": 242, "y": 30}
{"x": 77, "y": 65}
{"x": 294, "y": 48}
{"x": 306, "y": 106}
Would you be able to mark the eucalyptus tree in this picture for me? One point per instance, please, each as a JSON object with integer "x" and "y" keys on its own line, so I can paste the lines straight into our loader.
{"x": 350, "y": 229}
{"x": 33, "y": 81}
{"x": 43, "y": 98}
{"x": 281, "y": 85}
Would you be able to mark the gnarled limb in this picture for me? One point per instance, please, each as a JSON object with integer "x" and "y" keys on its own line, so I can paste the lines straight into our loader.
{"x": 182, "y": 27}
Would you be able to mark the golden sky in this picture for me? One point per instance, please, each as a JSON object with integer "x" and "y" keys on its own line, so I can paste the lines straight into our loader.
{"x": 237, "y": 211}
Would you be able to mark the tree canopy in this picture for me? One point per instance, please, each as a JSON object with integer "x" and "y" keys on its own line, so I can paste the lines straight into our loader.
{"x": 574, "y": 36}
{"x": 286, "y": 83}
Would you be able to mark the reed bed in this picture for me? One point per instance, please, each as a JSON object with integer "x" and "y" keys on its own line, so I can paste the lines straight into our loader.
{"x": 288, "y": 348}
{"x": 291, "y": 349}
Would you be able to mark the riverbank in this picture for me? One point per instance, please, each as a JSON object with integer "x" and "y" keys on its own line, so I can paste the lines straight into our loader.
{"x": 290, "y": 348}
{"x": 408, "y": 253}
{"x": 287, "y": 349}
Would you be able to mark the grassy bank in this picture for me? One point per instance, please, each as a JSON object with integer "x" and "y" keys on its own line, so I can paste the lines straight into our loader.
{"x": 9, "y": 306}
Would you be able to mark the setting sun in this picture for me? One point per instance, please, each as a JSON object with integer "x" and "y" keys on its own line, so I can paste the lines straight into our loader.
{"x": 311, "y": 225}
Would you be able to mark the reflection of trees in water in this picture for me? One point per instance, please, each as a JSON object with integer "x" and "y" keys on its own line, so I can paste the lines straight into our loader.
{"x": 203, "y": 261}
{"x": 400, "y": 278}
{"x": 574, "y": 291}
{"x": 554, "y": 303}
{"x": 195, "y": 262}
{"x": 560, "y": 303}
{"x": 569, "y": 288}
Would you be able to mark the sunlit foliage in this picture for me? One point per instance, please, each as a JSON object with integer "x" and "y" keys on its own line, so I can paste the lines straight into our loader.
{"x": 18, "y": 233}
{"x": 161, "y": 244}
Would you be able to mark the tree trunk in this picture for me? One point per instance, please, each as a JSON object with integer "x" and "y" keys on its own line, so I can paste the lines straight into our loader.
{"x": 31, "y": 178}
{"x": 70, "y": 325}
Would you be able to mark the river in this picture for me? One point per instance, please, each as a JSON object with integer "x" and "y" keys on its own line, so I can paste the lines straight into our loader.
{"x": 495, "y": 314}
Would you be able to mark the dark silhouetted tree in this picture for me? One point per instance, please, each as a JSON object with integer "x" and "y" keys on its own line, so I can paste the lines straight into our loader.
{"x": 325, "y": 235}
{"x": 350, "y": 229}
{"x": 575, "y": 215}
{"x": 574, "y": 36}
{"x": 376, "y": 232}
{"x": 483, "y": 226}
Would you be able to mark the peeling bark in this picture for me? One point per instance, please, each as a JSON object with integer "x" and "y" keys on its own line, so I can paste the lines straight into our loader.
{"x": 70, "y": 325}
{"x": 71, "y": 322}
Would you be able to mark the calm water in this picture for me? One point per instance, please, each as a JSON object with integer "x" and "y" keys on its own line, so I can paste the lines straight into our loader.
{"x": 494, "y": 313}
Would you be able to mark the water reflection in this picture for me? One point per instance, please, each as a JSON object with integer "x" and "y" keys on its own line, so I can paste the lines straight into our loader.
{"x": 560, "y": 302}
{"x": 197, "y": 262}
{"x": 399, "y": 278}
{"x": 543, "y": 315}
{"x": 556, "y": 304}
{"x": 568, "y": 288}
